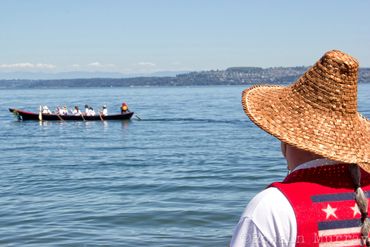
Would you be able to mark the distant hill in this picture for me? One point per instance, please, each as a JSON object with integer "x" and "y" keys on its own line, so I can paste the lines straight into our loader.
{"x": 79, "y": 75}
{"x": 230, "y": 76}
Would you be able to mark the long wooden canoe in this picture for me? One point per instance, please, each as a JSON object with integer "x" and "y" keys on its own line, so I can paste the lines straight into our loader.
{"x": 25, "y": 115}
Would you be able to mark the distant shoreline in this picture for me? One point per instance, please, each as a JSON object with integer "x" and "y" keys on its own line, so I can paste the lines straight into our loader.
{"x": 231, "y": 76}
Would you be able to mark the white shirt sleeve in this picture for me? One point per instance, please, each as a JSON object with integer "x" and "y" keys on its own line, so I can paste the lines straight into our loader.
{"x": 268, "y": 220}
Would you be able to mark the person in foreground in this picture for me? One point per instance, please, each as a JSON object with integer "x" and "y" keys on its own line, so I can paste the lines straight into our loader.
{"x": 326, "y": 142}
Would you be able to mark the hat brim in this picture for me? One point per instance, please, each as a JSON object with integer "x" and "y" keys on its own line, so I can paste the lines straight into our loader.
{"x": 286, "y": 115}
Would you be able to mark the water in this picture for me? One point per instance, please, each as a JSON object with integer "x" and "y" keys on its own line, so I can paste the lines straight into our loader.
{"x": 180, "y": 177}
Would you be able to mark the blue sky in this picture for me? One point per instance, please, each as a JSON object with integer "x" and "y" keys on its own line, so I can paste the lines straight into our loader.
{"x": 176, "y": 35}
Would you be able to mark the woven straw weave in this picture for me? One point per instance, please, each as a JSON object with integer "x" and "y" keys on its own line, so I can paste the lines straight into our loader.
{"x": 318, "y": 112}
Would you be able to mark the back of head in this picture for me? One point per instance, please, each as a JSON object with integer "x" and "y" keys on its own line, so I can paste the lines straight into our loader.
{"x": 318, "y": 112}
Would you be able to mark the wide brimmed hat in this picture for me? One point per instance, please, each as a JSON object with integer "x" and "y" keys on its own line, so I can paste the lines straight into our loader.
{"x": 318, "y": 112}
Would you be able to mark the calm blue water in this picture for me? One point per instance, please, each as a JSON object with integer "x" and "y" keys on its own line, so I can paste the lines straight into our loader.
{"x": 180, "y": 177}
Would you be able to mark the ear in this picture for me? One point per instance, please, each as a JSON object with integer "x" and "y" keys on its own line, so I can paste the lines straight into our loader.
{"x": 283, "y": 146}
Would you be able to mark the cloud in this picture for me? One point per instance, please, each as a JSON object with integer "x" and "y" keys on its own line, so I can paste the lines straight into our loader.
{"x": 95, "y": 64}
{"x": 27, "y": 66}
{"x": 100, "y": 65}
{"x": 75, "y": 65}
{"x": 147, "y": 64}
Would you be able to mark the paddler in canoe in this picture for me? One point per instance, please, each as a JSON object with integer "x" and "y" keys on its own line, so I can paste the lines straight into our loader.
{"x": 124, "y": 108}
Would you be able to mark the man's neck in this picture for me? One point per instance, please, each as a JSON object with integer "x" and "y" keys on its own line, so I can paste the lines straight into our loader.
{"x": 315, "y": 163}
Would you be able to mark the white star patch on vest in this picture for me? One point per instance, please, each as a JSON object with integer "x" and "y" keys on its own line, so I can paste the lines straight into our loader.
{"x": 329, "y": 211}
{"x": 356, "y": 210}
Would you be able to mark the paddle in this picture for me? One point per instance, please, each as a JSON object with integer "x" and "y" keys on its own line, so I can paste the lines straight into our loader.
{"x": 101, "y": 118}
{"x": 40, "y": 114}
{"x": 82, "y": 117}
{"x": 138, "y": 118}
{"x": 60, "y": 117}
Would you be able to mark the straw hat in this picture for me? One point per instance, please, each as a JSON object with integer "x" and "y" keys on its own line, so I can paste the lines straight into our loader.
{"x": 318, "y": 112}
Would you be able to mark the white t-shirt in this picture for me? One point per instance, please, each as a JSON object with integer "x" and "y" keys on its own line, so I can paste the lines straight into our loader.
{"x": 269, "y": 219}
{"x": 105, "y": 112}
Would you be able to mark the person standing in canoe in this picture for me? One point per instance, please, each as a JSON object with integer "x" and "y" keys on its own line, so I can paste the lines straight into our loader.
{"x": 326, "y": 142}
{"x": 124, "y": 108}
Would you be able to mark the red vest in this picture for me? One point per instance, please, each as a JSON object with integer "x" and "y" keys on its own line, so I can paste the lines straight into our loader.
{"x": 323, "y": 202}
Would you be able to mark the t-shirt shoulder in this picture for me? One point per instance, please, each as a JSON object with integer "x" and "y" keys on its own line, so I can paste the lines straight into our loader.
{"x": 268, "y": 200}
{"x": 270, "y": 218}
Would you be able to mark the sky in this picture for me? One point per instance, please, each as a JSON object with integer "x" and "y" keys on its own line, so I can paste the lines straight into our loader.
{"x": 145, "y": 36}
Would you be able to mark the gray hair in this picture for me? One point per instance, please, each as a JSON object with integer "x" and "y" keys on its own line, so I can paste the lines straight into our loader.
{"x": 362, "y": 203}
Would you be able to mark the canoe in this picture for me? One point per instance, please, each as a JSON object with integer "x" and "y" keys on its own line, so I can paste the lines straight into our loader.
{"x": 25, "y": 115}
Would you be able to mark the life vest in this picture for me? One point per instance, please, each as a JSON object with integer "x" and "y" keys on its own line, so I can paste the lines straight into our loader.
{"x": 124, "y": 107}
{"x": 323, "y": 201}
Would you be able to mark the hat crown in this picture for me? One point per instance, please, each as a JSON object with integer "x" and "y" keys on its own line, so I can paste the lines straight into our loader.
{"x": 331, "y": 84}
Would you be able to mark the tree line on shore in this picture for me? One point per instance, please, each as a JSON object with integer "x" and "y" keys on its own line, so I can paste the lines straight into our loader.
{"x": 230, "y": 76}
